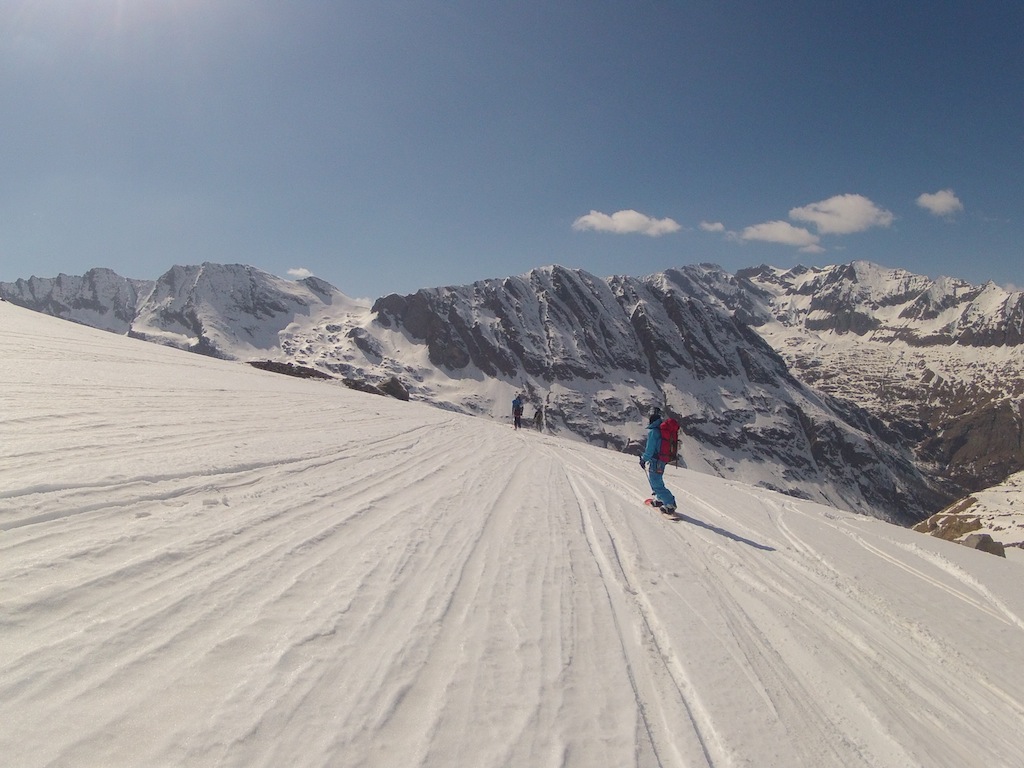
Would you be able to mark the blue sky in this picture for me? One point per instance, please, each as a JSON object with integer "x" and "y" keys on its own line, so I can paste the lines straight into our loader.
{"x": 386, "y": 146}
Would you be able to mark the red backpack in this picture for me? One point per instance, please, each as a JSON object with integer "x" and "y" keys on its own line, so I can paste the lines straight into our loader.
{"x": 668, "y": 451}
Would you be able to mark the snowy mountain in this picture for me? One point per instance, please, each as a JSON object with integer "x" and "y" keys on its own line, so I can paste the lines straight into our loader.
{"x": 940, "y": 361}
{"x": 101, "y": 298}
{"x": 593, "y": 354}
{"x": 596, "y": 354}
{"x": 204, "y": 564}
{"x": 231, "y": 311}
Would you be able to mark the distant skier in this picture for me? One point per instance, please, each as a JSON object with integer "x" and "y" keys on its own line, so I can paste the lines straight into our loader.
{"x": 538, "y": 419}
{"x": 659, "y": 451}
{"x": 517, "y": 412}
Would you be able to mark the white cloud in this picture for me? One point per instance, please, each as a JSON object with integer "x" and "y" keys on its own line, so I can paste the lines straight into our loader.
{"x": 299, "y": 273}
{"x": 784, "y": 233}
{"x": 838, "y": 215}
{"x": 942, "y": 203}
{"x": 624, "y": 223}
{"x": 843, "y": 215}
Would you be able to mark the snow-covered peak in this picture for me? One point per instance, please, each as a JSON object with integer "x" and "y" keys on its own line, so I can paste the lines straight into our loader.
{"x": 865, "y": 298}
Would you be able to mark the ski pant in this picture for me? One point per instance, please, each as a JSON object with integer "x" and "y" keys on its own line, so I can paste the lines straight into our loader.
{"x": 656, "y": 476}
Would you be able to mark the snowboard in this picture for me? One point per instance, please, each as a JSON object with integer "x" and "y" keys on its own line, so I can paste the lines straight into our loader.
{"x": 664, "y": 512}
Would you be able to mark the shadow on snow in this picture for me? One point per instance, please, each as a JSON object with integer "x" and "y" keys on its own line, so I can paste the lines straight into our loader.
{"x": 722, "y": 532}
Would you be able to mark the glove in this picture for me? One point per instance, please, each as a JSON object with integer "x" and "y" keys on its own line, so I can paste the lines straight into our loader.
{"x": 643, "y": 464}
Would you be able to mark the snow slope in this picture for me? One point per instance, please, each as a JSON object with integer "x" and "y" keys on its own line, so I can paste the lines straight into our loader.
{"x": 207, "y": 565}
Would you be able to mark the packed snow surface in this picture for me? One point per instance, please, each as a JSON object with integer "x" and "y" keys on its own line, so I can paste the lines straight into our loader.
{"x": 203, "y": 564}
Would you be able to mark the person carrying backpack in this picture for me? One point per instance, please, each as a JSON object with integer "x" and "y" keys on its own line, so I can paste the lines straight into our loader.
{"x": 662, "y": 447}
{"x": 517, "y": 412}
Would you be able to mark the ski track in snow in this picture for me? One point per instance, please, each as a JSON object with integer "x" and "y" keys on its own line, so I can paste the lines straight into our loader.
{"x": 207, "y": 565}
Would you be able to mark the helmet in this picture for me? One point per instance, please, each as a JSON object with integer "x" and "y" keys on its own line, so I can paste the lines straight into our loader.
{"x": 654, "y": 415}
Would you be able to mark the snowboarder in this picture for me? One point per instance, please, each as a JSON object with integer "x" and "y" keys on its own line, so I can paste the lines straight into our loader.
{"x": 538, "y": 420}
{"x": 517, "y": 411}
{"x": 651, "y": 462}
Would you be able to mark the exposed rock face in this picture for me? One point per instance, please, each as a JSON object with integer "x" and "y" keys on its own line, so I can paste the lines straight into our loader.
{"x": 552, "y": 324}
{"x": 949, "y": 527}
{"x": 289, "y": 369}
{"x": 394, "y": 388}
{"x": 984, "y": 543}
